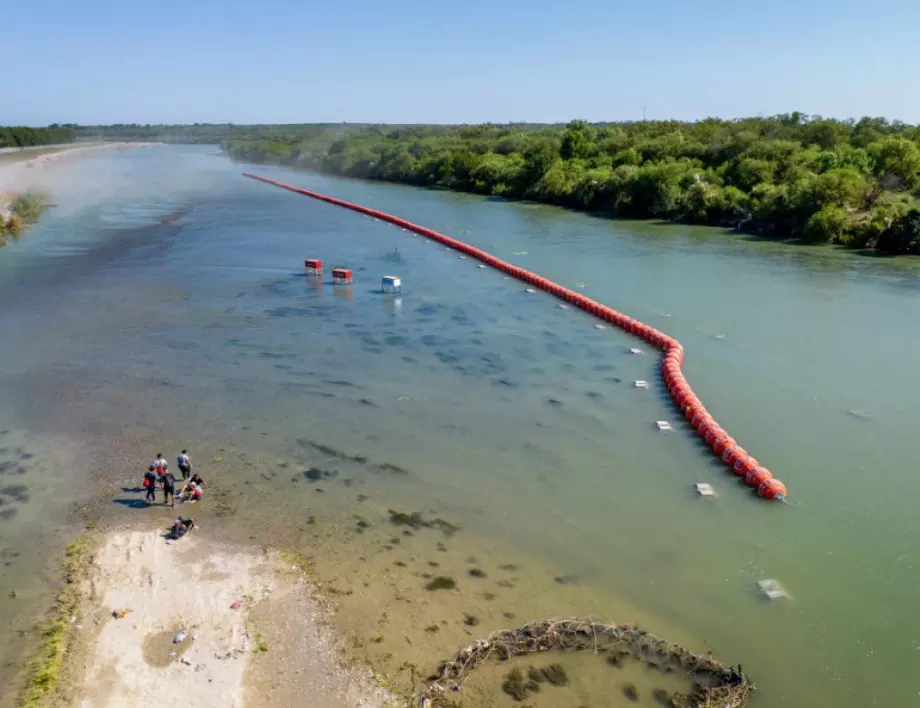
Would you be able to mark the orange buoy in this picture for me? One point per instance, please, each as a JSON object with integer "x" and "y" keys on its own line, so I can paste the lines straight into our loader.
{"x": 719, "y": 444}
{"x": 743, "y": 464}
{"x": 772, "y": 489}
{"x": 757, "y": 476}
{"x": 730, "y": 454}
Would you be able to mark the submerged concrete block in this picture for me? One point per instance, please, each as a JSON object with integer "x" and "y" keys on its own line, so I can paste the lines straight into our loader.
{"x": 705, "y": 490}
{"x": 772, "y": 589}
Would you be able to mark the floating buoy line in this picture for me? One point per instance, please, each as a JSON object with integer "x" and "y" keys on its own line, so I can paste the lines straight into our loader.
{"x": 719, "y": 441}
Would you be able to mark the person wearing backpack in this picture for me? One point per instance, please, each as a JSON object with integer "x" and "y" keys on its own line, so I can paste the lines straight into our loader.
{"x": 160, "y": 464}
{"x": 150, "y": 484}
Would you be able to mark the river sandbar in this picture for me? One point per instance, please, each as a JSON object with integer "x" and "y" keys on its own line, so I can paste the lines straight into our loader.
{"x": 270, "y": 647}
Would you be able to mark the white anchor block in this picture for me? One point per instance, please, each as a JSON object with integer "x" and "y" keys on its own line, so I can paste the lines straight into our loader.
{"x": 663, "y": 425}
{"x": 641, "y": 384}
{"x": 772, "y": 589}
{"x": 704, "y": 490}
{"x": 391, "y": 284}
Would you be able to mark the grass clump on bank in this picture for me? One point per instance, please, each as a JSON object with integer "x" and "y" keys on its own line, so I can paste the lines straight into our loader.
{"x": 29, "y": 206}
{"x": 45, "y": 667}
{"x": 22, "y": 211}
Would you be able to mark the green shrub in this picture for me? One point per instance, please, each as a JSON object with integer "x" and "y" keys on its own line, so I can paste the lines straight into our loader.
{"x": 827, "y": 225}
{"x": 29, "y": 206}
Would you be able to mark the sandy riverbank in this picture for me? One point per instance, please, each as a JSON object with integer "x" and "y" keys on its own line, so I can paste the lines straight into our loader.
{"x": 23, "y": 171}
{"x": 274, "y": 650}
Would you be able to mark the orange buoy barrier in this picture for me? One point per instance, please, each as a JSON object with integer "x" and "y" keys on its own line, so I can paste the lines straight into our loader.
{"x": 722, "y": 445}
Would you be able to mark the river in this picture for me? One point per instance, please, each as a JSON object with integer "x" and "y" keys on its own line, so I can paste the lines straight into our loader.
{"x": 469, "y": 399}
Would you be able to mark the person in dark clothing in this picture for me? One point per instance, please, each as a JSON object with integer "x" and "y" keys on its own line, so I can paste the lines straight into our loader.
{"x": 181, "y": 527}
{"x": 196, "y": 478}
{"x": 169, "y": 487}
{"x": 150, "y": 483}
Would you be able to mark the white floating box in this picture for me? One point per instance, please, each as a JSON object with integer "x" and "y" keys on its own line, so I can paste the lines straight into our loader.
{"x": 599, "y": 326}
{"x": 704, "y": 490}
{"x": 530, "y": 290}
{"x": 391, "y": 284}
{"x": 772, "y": 589}
{"x": 635, "y": 351}
{"x": 641, "y": 384}
{"x": 663, "y": 425}
{"x": 481, "y": 266}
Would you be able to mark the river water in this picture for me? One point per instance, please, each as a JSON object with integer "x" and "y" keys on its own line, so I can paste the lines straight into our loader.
{"x": 468, "y": 399}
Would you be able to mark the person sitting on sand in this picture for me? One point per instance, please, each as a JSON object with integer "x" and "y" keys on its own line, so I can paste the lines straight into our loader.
{"x": 150, "y": 484}
{"x": 196, "y": 478}
{"x": 181, "y": 527}
{"x": 191, "y": 492}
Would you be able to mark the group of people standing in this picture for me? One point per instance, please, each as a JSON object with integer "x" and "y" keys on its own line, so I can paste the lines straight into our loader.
{"x": 158, "y": 475}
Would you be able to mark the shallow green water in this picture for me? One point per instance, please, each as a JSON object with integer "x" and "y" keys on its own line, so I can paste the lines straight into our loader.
{"x": 510, "y": 413}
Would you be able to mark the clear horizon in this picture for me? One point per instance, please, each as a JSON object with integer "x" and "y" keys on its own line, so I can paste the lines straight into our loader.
{"x": 102, "y": 62}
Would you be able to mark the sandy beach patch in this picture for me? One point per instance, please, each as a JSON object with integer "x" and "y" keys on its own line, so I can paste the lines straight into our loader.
{"x": 206, "y": 625}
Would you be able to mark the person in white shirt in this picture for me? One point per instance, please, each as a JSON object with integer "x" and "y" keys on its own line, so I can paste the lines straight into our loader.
{"x": 185, "y": 464}
{"x": 160, "y": 464}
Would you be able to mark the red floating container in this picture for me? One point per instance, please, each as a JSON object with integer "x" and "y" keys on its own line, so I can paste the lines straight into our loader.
{"x": 342, "y": 274}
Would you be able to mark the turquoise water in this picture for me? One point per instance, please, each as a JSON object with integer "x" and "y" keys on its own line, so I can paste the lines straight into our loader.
{"x": 510, "y": 414}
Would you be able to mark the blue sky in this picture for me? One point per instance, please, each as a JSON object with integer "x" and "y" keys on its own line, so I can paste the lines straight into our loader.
{"x": 413, "y": 61}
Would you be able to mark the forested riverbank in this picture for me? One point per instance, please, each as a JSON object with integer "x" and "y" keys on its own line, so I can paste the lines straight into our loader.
{"x": 853, "y": 183}
{"x": 18, "y": 136}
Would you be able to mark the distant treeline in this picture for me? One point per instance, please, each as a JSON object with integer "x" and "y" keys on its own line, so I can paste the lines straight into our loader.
{"x": 23, "y": 136}
{"x": 196, "y": 133}
{"x": 791, "y": 176}
{"x": 136, "y": 132}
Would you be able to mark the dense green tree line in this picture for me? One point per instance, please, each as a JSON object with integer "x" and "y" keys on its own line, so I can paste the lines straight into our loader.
{"x": 791, "y": 176}
{"x": 23, "y": 136}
